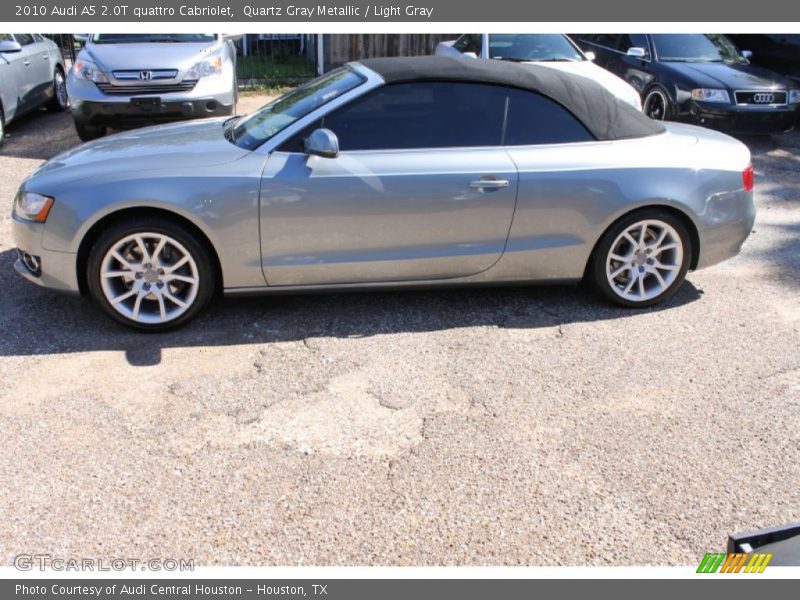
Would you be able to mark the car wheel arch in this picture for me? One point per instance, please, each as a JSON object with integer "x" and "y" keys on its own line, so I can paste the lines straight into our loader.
{"x": 92, "y": 233}
{"x": 685, "y": 218}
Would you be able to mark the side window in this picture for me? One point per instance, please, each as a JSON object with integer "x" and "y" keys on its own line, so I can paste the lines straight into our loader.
{"x": 534, "y": 119}
{"x": 421, "y": 115}
{"x": 24, "y": 39}
{"x": 606, "y": 40}
{"x": 469, "y": 42}
{"x": 297, "y": 143}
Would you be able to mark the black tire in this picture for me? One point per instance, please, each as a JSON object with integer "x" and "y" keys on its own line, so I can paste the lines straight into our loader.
{"x": 58, "y": 103}
{"x": 87, "y": 133}
{"x": 597, "y": 271}
{"x": 656, "y": 104}
{"x": 197, "y": 248}
{"x": 2, "y": 126}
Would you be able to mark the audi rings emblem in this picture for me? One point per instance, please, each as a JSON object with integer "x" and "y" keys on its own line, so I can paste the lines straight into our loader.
{"x": 763, "y": 98}
{"x": 145, "y": 75}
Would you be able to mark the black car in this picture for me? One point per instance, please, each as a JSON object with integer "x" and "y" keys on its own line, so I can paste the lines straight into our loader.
{"x": 779, "y": 52}
{"x": 698, "y": 78}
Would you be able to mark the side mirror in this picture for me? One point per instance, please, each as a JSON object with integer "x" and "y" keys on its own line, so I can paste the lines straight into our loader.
{"x": 9, "y": 46}
{"x": 231, "y": 37}
{"x": 469, "y": 55}
{"x": 748, "y": 54}
{"x": 81, "y": 37}
{"x": 324, "y": 143}
{"x": 636, "y": 52}
{"x": 590, "y": 55}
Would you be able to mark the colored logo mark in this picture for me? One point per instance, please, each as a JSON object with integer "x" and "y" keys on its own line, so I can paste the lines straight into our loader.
{"x": 719, "y": 562}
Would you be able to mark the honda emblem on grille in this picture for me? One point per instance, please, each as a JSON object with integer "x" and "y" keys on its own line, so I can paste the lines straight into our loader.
{"x": 763, "y": 98}
{"x": 145, "y": 75}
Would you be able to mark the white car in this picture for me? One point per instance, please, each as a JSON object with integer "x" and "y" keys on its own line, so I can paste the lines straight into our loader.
{"x": 553, "y": 50}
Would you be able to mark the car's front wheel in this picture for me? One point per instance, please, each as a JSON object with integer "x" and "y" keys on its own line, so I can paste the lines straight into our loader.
{"x": 150, "y": 273}
{"x": 642, "y": 259}
{"x": 656, "y": 104}
{"x": 87, "y": 133}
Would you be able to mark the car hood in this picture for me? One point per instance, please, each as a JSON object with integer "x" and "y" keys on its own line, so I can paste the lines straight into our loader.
{"x": 586, "y": 68}
{"x": 196, "y": 144}
{"x": 734, "y": 77}
{"x": 150, "y": 56}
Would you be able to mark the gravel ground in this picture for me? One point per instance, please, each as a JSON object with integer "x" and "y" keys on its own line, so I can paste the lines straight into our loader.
{"x": 531, "y": 426}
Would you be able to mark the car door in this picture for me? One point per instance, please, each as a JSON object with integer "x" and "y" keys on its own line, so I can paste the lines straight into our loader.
{"x": 27, "y": 78}
{"x": 12, "y": 77}
{"x": 421, "y": 189}
{"x": 42, "y": 69}
{"x": 562, "y": 192}
{"x": 633, "y": 69}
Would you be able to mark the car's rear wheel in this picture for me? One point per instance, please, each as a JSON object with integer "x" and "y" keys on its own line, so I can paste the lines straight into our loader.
{"x": 60, "y": 100}
{"x": 87, "y": 133}
{"x": 656, "y": 104}
{"x": 2, "y": 126}
{"x": 642, "y": 259}
{"x": 151, "y": 273}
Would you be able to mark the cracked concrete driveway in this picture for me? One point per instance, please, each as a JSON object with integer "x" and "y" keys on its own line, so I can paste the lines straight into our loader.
{"x": 495, "y": 426}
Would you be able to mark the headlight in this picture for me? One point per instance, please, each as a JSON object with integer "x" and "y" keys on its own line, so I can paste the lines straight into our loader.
{"x": 32, "y": 206}
{"x": 208, "y": 66}
{"x": 794, "y": 96}
{"x": 709, "y": 95}
{"x": 88, "y": 71}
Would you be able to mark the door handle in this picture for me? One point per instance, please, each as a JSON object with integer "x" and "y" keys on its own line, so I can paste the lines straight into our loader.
{"x": 27, "y": 63}
{"x": 489, "y": 184}
{"x": 46, "y": 56}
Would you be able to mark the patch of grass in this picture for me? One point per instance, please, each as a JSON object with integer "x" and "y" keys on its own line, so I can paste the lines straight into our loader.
{"x": 254, "y": 88}
{"x": 286, "y": 68}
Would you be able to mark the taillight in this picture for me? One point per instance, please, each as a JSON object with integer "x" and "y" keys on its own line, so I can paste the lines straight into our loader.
{"x": 747, "y": 178}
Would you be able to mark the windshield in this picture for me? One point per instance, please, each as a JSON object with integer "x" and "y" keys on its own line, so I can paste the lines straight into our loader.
{"x": 546, "y": 47}
{"x": 149, "y": 38}
{"x": 253, "y": 130}
{"x": 696, "y": 48}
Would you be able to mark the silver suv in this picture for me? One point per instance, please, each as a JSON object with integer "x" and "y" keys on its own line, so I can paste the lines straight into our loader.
{"x": 124, "y": 80}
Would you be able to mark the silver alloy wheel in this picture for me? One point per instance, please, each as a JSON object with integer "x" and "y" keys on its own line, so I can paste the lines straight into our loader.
{"x": 644, "y": 260}
{"x": 61, "y": 89}
{"x": 149, "y": 278}
{"x": 655, "y": 105}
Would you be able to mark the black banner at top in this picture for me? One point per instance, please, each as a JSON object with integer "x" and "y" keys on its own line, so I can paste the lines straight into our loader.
{"x": 407, "y": 11}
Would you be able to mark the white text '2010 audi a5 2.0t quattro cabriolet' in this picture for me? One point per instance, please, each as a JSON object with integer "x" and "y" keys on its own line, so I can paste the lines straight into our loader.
{"x": 388, "y": 173}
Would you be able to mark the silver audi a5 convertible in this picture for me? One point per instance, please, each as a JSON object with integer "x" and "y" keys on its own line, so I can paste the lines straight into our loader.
{"x": 430, "y": 171}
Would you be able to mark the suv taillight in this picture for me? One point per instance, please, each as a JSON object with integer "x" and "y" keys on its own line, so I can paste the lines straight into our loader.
{"x": 747, "y": 178}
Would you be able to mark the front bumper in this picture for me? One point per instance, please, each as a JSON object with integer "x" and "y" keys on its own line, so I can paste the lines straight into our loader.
{"x": 141, "y": 110}
{"x": 47, "y": 268}
{"x": 741, "y": 119}
{"x": 210, "y": 97}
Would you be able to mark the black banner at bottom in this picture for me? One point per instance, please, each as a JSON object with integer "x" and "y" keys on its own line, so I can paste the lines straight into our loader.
{"x": 387, "y": 589}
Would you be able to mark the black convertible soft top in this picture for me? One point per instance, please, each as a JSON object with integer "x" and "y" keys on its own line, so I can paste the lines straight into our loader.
{"x": 604, "y": 115}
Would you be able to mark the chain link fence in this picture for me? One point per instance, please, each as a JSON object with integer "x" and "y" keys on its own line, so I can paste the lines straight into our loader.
{"x": 275, "y": 59}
